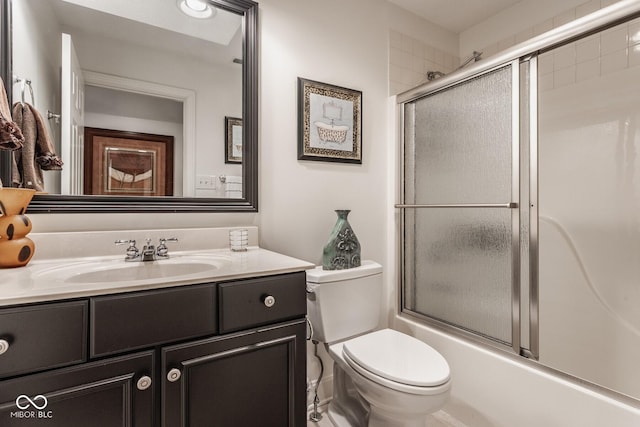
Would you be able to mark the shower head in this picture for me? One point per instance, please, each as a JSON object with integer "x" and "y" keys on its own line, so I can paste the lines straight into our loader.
{"x": 475, "y": 57}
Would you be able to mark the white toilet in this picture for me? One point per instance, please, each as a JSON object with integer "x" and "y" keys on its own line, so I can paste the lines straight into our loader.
{"x": 382, "y": 378}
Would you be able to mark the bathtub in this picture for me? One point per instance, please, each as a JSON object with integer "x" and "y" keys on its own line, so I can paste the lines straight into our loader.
{"x": 331, "y": 133}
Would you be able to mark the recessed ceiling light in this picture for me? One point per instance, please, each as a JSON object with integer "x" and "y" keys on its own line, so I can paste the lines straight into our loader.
{"x": 197, "y": 8}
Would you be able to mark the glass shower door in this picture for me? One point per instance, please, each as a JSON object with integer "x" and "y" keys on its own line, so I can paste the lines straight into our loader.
{"x": 460, "y": 243}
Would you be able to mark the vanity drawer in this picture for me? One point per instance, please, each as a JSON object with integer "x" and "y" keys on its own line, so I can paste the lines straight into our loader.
{"x": 144, "y": 319}
{"x": 42, "y": 337}
{"x": 246, "y": 303}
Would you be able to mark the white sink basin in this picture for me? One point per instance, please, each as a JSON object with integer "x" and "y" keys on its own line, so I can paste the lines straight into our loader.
{"x": 115, "y": 271}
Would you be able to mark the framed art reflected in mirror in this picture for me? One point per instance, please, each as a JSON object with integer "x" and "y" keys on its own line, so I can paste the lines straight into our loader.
{"x": 127, "y": 163}
{"x": 233, "y": 140}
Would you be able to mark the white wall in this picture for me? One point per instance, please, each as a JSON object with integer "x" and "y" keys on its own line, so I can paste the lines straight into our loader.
{"x": 327, "y": 41}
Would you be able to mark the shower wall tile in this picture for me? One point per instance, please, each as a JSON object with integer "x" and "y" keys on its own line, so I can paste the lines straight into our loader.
{"x": 564, "y": 77}
{"x": 614, "y": 39}
{"x": 543, "y": 27}
{"x": 410, "y": 60}
{"x": 564, "y": 18}
{"x": 545, "y": 64}
{"x": 613, "y": 62}
{"x": 395, "y": 39}
{"x": 490, "y": 50}
{"x": 634, "y": 56}
{"x": 587, "y": 8}
{"x": 588, "y": 49}
{"x": 506, "y": 43}
{"x": 605, "y": 3}
{"x": 545, "y": 82}
{"x": 524, "y": 35}
{"x": 564, "y": 57}
{"x": 599, "y": 54}
{"x": 588, "y": 70}
{"x": 634, "y": 32}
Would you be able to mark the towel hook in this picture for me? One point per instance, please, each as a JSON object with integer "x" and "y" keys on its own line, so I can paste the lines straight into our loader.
{"x": 23, "y": 84}
{"x": 54, "y": 116}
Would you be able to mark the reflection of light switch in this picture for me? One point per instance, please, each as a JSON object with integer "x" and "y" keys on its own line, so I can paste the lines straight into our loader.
{"x": 205, "y": 182}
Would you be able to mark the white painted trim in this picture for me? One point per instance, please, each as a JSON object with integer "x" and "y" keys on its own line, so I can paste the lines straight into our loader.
{"x": 186, "y": 96}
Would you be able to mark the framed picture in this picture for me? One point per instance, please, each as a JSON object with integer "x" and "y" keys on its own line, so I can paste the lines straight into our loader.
{"x": 121, "y": 163}
{"x": 329, "y": 122}
{"x": 232, "y": 140}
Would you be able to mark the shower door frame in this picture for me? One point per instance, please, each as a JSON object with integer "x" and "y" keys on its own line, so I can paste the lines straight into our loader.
{"x": 526, "y": 52}
{"x": 512, "y": 204}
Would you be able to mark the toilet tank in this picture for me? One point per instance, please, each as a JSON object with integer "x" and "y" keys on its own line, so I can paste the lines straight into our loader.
{"x": 344, "y": 303}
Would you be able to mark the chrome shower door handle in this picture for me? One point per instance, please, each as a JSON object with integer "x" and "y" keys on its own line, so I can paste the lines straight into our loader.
{"x": 510, "y": 205}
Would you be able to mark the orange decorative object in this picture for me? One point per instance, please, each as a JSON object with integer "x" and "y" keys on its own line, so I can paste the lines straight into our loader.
{"x": 16, "y": 250}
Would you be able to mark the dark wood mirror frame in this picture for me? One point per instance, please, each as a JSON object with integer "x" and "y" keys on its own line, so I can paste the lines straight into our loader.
{"x": 122, "y": 204}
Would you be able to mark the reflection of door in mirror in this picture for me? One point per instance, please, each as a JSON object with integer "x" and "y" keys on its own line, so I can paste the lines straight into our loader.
{"x": 72, "y": 119}
{"x": 160, "y": 55}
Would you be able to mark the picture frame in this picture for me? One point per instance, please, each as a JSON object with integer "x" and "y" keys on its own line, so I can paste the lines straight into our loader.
{"x": 233, "y": 140}
{"x": 123, "y": 163}
{"x": 329, "y": 122}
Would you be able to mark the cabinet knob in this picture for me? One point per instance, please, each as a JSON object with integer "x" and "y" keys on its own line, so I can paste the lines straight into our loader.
{"x": 174, "y": 375}
{"x": 269, "y": 301}
{"x": 4, "y": 346}
{"x": 144, "y": 383}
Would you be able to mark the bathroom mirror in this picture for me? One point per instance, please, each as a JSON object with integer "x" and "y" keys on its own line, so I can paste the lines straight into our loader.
{"x": 129, "y": 86}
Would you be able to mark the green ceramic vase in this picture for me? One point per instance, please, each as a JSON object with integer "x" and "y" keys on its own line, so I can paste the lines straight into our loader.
{"x": 343, "y": 248}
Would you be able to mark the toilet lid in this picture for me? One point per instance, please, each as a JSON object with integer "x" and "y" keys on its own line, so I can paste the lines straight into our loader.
{"x": 398, "y": 357}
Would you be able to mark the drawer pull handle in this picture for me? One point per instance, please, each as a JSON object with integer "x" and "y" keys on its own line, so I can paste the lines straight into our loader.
{"x": 144, "y": 383}
{"x": 269, "y": 301}
{"x": 4, "y": 346}
{"x": 174, "y": 375}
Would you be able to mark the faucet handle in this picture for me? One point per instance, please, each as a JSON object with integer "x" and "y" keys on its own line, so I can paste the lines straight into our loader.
{"x": 162, "y": 250}
{"x": 169, "y": 239}
{"x": 132, "y": 252}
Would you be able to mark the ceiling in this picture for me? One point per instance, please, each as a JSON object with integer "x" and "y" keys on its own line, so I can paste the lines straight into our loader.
{"x": 455, "y": 15}
{"x": 166, "y": 29}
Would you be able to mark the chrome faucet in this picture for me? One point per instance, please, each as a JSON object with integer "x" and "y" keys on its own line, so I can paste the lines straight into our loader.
{"x": 162, "y": 251}
{"x": 149, "y": 252}
{"x": 132, "y": 253}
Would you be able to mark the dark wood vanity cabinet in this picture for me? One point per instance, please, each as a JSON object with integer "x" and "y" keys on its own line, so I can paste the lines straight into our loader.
{"x": 243, "y": 379}
{"x": 160, "y": 358}
{"x": 111, "y": 393}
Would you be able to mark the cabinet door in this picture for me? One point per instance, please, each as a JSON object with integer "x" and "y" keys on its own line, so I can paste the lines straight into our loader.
{"x": 246, "y": 379}
{"x": 113, "y": 392}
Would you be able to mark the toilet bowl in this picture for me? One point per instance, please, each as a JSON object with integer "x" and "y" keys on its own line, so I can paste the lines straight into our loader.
{"x": 381, "y": 378}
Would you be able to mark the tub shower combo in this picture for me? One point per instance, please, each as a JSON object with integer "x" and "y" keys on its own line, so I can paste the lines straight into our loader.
{"x": 519, "y": 201}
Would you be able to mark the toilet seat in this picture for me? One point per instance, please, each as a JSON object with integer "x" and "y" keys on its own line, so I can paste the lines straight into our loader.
{"x": 398, "y": 361}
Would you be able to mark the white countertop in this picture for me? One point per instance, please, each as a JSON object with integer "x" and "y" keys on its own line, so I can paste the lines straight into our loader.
{"x": 52, "y": 278}
{"x": 42, "y": 281}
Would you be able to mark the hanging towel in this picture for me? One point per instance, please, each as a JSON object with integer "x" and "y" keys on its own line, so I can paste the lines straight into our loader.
{"x": 233, "y": 187}
{"x": 10, "y": 135}
{"x": 37, "y": 153}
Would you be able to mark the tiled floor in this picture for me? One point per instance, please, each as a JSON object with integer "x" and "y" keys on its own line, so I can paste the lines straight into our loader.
{"x": 438, "y": 419}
